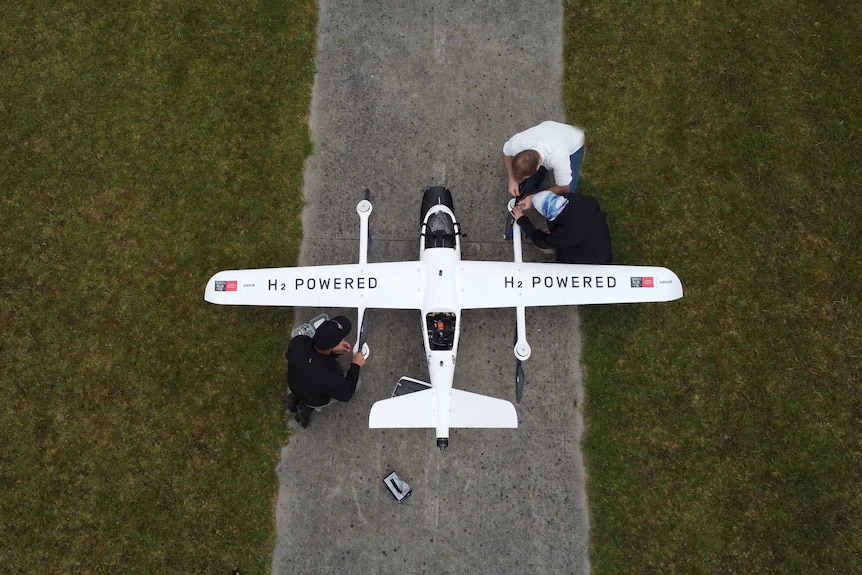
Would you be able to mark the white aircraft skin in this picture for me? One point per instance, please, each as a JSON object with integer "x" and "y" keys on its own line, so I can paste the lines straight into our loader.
{"x": 440, "y": 285}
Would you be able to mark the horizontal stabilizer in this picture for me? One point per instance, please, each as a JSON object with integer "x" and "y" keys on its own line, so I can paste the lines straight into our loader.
{"x": 419, "y": 409}
{"x": 474, "y": 410}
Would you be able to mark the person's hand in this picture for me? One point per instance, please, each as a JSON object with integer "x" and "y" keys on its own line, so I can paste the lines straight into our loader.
{"x": 342, "y": 347}
{"x": 513, "y": 189}
{"x": 525, "y": 204}
{"x": 359, "y": 359}
{"x": 517, "y": 212}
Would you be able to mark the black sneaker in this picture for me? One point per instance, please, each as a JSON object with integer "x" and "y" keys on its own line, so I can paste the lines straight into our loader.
{"x": 303, "y": 414}
{"x": 290, "y": 403}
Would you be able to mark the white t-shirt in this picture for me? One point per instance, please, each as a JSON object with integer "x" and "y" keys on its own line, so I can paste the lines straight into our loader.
{"x": 555, "y": 142}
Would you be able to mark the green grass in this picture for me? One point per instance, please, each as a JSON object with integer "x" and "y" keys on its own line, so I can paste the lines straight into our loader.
{"x": 725, "y": 430}
{"x": 144, "y": 147}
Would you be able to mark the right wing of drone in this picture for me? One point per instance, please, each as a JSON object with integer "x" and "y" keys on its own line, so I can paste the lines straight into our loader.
{"x": 385, "y": 285}
{"x": 512, "y": 284}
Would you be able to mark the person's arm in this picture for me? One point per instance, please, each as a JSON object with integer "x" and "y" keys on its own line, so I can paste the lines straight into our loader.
{"x": 562, "y": 169}
{"x": 541, "y": 238}
{"x": 513, "y": 183}
{"x": 351, "y": 378}
{"x": 344, "y": 388}
{"x": 538, "y": 237}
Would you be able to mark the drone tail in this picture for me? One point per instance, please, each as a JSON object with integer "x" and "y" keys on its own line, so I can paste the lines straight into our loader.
{"x": 417, "y": 409}
{"x": 425, "y": 409}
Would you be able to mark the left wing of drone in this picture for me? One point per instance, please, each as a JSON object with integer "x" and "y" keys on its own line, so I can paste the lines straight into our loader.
{"x": 519, "y": 284}
{"x": 385, "y": 285}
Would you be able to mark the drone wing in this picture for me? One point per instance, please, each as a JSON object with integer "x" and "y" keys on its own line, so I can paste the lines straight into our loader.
{"x": 512, "y": 284}
{"x": 388, "y": 285}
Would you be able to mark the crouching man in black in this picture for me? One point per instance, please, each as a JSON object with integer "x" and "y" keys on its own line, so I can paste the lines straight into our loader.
{"x": 577, "y": 227}
{"x": 314, "y": 377}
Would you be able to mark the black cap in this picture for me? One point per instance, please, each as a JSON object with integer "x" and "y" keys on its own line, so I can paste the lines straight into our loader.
{"x": 331, "y": 332}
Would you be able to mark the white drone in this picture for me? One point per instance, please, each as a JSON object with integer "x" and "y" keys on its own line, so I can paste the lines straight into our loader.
{"x": 440, "y": 284}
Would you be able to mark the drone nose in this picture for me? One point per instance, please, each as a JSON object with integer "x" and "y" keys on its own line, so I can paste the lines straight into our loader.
{"x": 442, "y": 443}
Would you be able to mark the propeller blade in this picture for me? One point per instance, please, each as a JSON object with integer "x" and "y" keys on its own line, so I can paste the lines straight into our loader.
{"x": 510, "y": 224}
{"x": 368, "y": 199}
{"x": 363, "y": 329}
{"x": 519, "y": 381}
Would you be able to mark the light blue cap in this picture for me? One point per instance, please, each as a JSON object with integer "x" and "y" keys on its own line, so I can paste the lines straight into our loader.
{"x": 549, "y": 204}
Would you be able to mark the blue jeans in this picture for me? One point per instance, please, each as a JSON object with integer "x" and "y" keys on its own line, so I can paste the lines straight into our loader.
{"x": 532, "y": 184}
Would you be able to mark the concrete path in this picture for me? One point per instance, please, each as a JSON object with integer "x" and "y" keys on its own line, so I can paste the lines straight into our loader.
{"x": 407, "y": 95}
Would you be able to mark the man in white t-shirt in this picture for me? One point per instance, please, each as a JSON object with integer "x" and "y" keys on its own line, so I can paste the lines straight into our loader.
{"x": 528, "y": 155}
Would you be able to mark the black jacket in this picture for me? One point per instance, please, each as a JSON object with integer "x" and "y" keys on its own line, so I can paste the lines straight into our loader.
{"x": 579, "y": 235}
{"x": 315, "y": 378}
